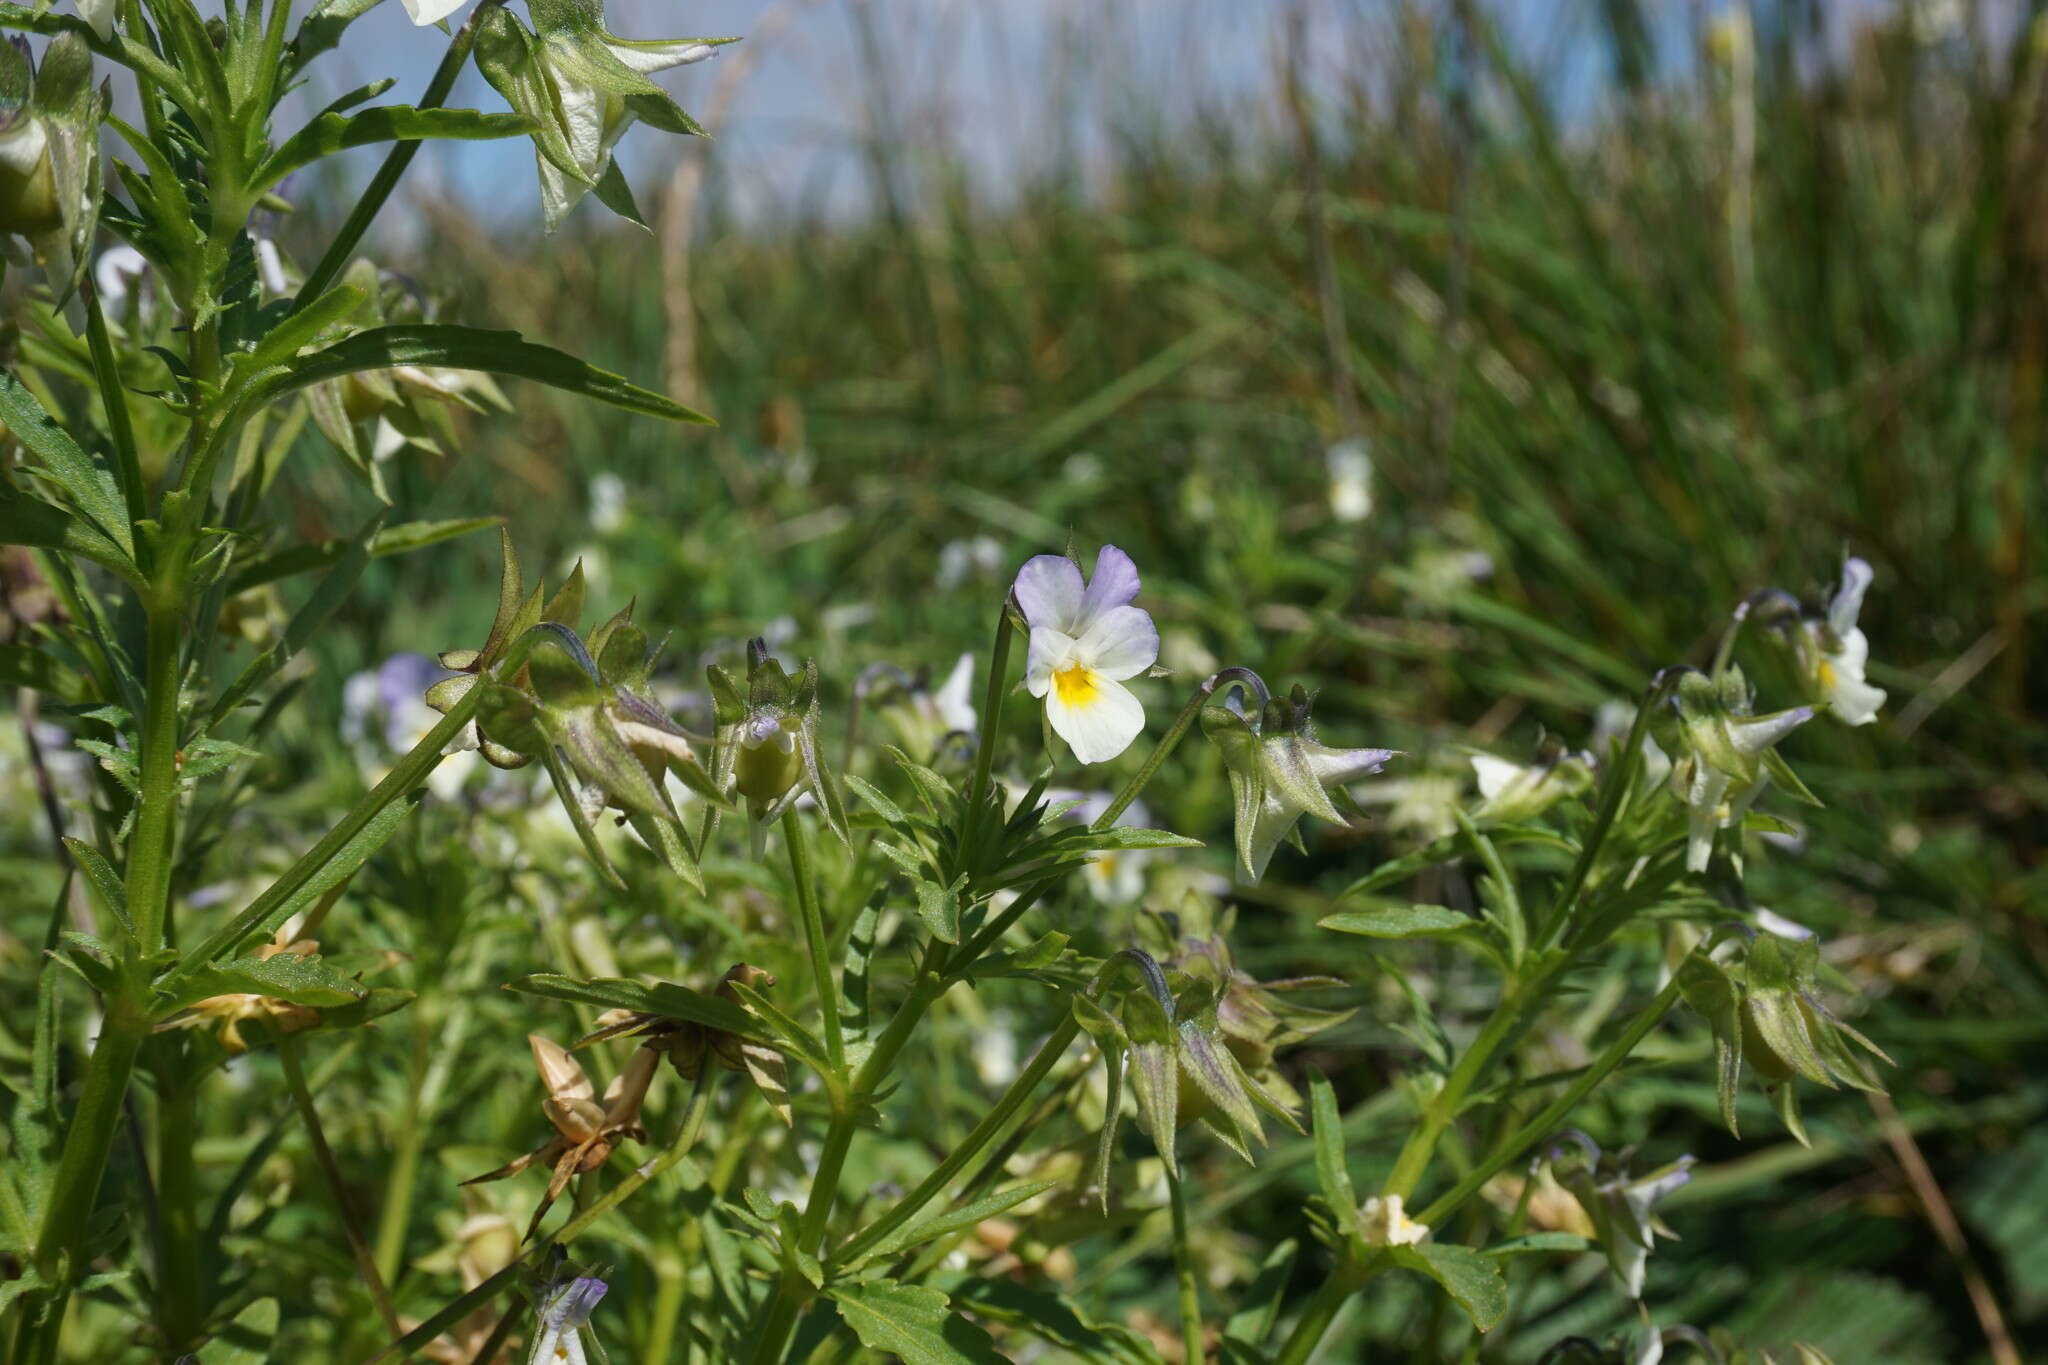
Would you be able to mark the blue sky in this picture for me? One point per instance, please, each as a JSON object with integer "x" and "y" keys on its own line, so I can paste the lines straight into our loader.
{"x": 993, "y": 78}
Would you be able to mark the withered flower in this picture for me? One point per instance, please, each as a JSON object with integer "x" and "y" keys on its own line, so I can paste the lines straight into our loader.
{"x": 586, "y": 1132}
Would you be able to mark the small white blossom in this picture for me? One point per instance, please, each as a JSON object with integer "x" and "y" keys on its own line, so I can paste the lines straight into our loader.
{"x": 1086, "y": 640}
{"x": 1835, "y": 651}
{"x": 1350, "y": 468}
{"x": 1383, "y": 1222}
{"x": 564, "y": 1311}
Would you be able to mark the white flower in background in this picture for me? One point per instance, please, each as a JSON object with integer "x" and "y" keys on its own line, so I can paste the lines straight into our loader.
{"x": 384, "y": 713}
{"x": 564, "y": 1312}
{"x": 1611, "y": 724}
{"x": 1350, "y": 467}
{"x": 1086, "y": 640}
{"x": 1771, "y": 922}
{"x": 118, "y": 272}
{"x": 995, "y": 1050}
{"x": 1112, "y": 876}
{"x": 1422, "y": 808}
{"x": 1383, "y": 1222}
{"x": 1522, "y": 791}
{"x": 607, "y": 503}
{"x": 952, "y": 705}
{"x": 1834, "y": 652}
{"x": 960, "y": 560}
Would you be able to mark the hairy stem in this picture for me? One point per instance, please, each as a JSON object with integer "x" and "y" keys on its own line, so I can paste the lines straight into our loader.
{"x": 1184, "y": 1272}
{"x": 823, "y": 980}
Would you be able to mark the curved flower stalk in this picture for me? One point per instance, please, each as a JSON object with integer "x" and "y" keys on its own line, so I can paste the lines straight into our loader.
{"x": 1833, "y": 653}
{"x": 583, "y": 88}
{"x": 50, "y": 182}
{"x": 1087, "y": 640}
{"x": 1278, "y": 772}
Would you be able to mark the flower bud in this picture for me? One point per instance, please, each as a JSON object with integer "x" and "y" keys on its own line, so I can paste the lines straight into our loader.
{"x": 768, "y": 764}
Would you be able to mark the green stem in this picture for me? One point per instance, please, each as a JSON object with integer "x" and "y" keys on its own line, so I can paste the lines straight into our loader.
{"x": 1184, "y": 1271}
{"x": 454, "y": 1312}
{"x": 1171, "y": 740}
{"x": 150, "y": 849}
{"x": 985, "y": 1132}
{"x": 991, "y": 728}
{"x": 90, "y": 1137}
{"x": 405, "y": 776}
{"x": 1545, "y": 1123}
{"x": 386, "y": 179}
{"x": 1442, "y": 1108}
{"x": 127, "y": 466}
{"x": 1611, "y": 796}
{"x": 826, "y": 984}
{"x": 181, "y": 1296}
{"x": 337, "y": 1186}
{"x": 1345, "y": 1278}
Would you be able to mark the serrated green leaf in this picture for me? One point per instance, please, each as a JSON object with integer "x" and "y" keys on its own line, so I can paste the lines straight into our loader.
{"x": 92, "y": 490}
{"x": 300, "y": 979}
{"x": 913, "y": 1322}
{"x": 1473, "y": 1281}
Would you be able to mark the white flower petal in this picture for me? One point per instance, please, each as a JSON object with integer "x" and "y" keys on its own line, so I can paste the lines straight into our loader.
{"x": 1495, "y": 774}
{"x": 1096, "y": 716}
{"x": 953, "y": 702}
{"x": 1049, "y": 590}
{"x": 1855, "y": 701}
{"x": 23, "y": 146}
{"x": 1848, "y": 600}
{"x": 1050, "y": 649}
{"x": 1114, "y": 584}
{"x": 100, "y": 14}
{"x": 1336, "y": 767}
{"x": 647, "y": 58}
{"x": 1754, "y": 734}
{"x": 1120, "y": 643}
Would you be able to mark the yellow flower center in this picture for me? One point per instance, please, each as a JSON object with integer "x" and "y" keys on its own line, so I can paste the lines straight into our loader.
{"x": 1076, "y": 685}
{"x": 1827, "y": 673}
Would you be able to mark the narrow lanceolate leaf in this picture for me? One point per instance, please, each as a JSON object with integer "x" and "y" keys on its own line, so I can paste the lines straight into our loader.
{"x": 1473, "y": 1281}
{"x": 1333, "y": 1173}
{"x": 392, "y": 540}
{"x": 285, "y": 976}
{"x": 948, "y": 1221}
{"x": 92, "y": 490}
{"x": 663, "y": 998}
{"x": 912, "y": 1322}
{"x": 1396, "y": 921}
{"x": 263, "y": 917}
{"x": 333, "y": 132}
{"x": 473, "y": 348}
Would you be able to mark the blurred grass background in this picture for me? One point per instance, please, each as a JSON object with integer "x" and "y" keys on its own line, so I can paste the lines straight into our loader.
{"x": 1774, "y": 292}
{"x": 1614, "y": 349}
